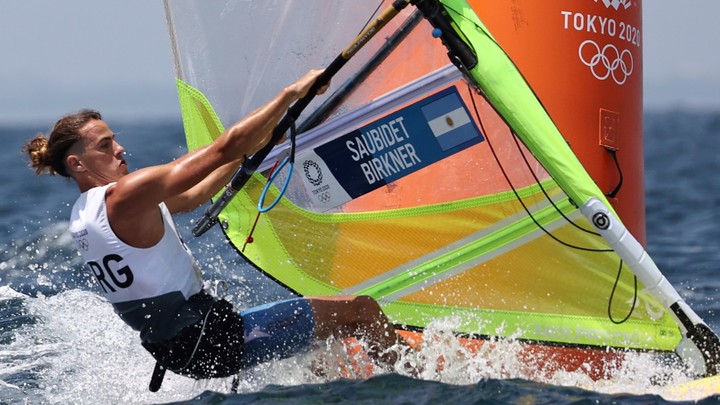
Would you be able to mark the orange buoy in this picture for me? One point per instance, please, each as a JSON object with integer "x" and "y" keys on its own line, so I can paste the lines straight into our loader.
{"x": 584, "y": 61}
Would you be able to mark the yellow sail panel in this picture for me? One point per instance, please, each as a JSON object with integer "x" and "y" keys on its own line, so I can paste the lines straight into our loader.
{"x": 327, "y": 246}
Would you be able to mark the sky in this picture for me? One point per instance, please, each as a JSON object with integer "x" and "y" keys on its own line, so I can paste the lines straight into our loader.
{"x": 114, "y": 55}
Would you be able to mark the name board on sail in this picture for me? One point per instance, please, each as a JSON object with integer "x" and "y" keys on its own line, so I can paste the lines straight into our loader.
{"x": 388, "y": 149}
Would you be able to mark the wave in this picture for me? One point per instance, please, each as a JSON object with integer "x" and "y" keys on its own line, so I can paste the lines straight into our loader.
{"x": 72, "y": 348}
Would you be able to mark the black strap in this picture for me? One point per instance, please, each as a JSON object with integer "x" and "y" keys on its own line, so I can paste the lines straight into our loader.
{"x": 157, "y": 377}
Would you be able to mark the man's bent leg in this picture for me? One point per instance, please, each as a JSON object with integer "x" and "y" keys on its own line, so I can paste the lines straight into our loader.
{"x": 277, "y": 330}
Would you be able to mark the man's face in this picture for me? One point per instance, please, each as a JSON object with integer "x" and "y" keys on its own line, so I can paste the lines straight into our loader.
{"x": 102, "y": 155}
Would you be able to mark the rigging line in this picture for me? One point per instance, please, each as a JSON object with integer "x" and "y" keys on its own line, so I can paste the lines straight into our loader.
{"x": 532, "y": 172}
{"x": 249, "y": 239}
{"x": 612, "y": 294}
{"x": 517, "y": 196}
{"x": 614, "y": 191}
{"x": 369, "y": 20}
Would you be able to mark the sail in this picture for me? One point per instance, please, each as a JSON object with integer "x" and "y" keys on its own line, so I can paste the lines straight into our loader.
{"x": 441, "y": 189}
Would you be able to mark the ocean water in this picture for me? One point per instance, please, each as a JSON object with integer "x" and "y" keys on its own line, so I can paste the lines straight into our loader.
{"x": 60, "y": 343}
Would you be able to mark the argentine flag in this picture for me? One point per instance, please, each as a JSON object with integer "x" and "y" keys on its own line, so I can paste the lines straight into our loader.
{"x": 449, "y": 121}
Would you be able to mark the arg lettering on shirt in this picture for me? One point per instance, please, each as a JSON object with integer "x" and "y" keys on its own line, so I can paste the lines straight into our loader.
{"x": 111, "y": 274}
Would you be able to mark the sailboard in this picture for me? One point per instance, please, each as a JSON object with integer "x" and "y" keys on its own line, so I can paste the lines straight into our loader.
{"x": 439, "y": 175}
{"x": 693, "y": 390}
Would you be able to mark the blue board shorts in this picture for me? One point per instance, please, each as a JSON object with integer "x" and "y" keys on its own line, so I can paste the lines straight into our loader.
{"x": 277, "y": 330}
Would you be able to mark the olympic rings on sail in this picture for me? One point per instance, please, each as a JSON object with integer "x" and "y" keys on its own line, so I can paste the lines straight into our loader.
{"x": 608, "y": 61}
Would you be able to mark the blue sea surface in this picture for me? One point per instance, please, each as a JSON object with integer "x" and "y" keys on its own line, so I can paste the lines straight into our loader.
{"x": 61, "y": 343}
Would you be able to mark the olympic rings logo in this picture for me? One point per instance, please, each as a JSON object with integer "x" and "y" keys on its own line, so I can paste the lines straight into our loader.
{"x": 324, "y": 197}
{"x": 83, "y": 244}
{"x": 607, "y": 62}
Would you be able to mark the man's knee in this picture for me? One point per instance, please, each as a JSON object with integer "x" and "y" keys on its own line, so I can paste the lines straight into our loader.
{"x": 346, "y": 310}
{"x": 366, "y": 302}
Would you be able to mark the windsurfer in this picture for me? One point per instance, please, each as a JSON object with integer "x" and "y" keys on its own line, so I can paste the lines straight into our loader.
{"x": 122, "y": 225}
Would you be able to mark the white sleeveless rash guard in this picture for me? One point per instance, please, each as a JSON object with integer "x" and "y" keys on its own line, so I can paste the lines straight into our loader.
{"x": 148, "y": 287}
